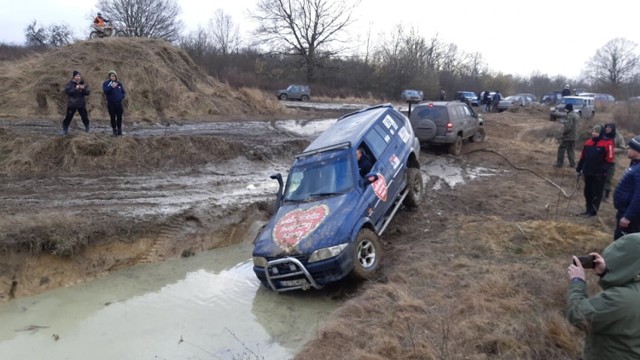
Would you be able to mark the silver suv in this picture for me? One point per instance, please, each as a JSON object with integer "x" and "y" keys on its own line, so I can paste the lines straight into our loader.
{"x": 295, "y": 92}
{"x": 583, "y": 105}
{"x": 446, "y": 123}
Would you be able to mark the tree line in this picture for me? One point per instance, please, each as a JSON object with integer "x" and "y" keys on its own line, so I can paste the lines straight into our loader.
{"x": 304, "y": 41}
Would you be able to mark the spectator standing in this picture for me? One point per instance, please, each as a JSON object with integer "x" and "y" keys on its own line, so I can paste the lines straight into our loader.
{"x": 486, "y": 101}
{"x": 619, "y": 146}
{"x": 568, "y": 138}
{"x": 595, "y": 160}
{"x": 76, "y": 91}
{"x": 114, "y": 91}
{"x": 566, "y": 91}
{"x": 443, "y": 95}
{"x": 496, "y": 100}
{"x": 610, "y": 319}
{"x": 99, "y": 23}
{"x": 626, "y": 198}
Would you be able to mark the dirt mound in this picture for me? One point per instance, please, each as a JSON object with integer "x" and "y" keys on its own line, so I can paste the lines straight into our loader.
{"x": 162, "y": 82}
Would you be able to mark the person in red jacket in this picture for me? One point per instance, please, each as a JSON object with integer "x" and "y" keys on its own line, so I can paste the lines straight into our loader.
{"x": 596, "y": 158}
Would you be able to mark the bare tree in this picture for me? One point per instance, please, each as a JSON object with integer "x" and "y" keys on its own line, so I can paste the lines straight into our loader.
{"x": 614, "y": 64}
{"x": 53, "y": 35}
{"x": 224, "y": 33}
{"x": 303, "y": 27}
{"x": 145, "y": 18}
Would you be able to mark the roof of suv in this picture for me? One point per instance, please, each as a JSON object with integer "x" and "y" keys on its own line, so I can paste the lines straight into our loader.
{"x": 350, "y": 128}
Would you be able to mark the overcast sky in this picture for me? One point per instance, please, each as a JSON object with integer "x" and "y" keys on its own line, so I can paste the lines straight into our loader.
{"x": 547, "y": 36}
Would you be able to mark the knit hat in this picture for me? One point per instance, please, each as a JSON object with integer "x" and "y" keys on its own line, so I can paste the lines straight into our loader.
{"x": 569, "y": 107}
{"x": 597, "y": 128}
{"x": 112, "y": 72}
{"x": 635, "y": 143}
{"x": 75, "y": 72}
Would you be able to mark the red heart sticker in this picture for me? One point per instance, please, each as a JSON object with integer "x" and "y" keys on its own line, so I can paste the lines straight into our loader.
{"x": 380, "y": 188}
{"x": 297, "y": 225}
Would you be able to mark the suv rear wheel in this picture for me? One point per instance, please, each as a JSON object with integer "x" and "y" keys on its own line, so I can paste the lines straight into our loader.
{"x": 456, "y": 147}
{"x": 304, "y": 98}
{"x": 367, "y": 252}
{"x": 415, "y": 187}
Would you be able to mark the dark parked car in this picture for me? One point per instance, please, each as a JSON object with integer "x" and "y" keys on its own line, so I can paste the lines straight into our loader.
{"x": 463, "y": 96}
{"x": 328, "y": 218}
{"x": 295, "y": 92}
{"x": 446, "y": 123}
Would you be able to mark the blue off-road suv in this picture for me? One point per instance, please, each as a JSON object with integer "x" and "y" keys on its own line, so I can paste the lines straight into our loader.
{"x": 329, "y": 216}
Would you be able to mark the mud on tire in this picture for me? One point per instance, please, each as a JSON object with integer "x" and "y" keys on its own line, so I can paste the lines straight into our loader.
{"x": 367, "y": 253}
{"x": 415, "y": 186}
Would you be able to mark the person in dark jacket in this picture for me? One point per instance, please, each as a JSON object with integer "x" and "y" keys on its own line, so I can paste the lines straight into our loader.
{"x": 610, "y": 319}
{"x": 114, "y": 90}
{"x": 595, "y": 160}
{"x": 76, "y": 91}
{"x": 626, "y": 198}
{"x": 364, "y": 162}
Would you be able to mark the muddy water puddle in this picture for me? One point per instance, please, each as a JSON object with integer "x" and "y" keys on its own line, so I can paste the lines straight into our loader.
{"x": 209, "y": 306}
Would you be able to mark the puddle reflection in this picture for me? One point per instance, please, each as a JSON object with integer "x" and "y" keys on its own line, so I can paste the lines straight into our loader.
{"x": 210, "y": 306}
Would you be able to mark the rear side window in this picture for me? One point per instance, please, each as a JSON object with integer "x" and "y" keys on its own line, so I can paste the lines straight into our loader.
{"x": 435, "y": 113}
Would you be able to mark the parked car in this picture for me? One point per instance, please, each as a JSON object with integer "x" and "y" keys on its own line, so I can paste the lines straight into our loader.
{"x": 412, "y": 96}
{"x": 531, "y": 97}
{"x": 551, "y": 98}
{"x": 295, "y": 92}
{"x": 446, "y": 123}
{"x": 514, "y": 101}
{"x": 583, "y": 105}
{"x": 467, "y": 95}
{"x": 600, "y": 98}
{"x": 328, "y": 218}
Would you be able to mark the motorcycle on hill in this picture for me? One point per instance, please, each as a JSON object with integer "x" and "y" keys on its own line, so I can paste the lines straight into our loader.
{"x": 108, "y": 30}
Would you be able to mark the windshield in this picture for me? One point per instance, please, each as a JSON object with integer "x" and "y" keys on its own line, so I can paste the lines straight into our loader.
{"x": 572, "y": 101}
{"x": 329, "y": 176}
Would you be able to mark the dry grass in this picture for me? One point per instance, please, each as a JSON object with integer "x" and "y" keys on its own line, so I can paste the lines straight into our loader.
{"x": 161, "y": 81}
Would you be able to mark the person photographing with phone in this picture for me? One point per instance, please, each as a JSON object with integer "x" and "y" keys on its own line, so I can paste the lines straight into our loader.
{"x": 611, "y": 318}
{"x": 76, "y": 90}
{"x": 114, "y": 91}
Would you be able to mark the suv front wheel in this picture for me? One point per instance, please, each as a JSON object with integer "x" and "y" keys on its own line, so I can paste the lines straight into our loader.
{"x": 367, "y": 252}
{"x": 479, "y": 136}
{"x": 283, "y": 97}
{"x": 415, "y": 188}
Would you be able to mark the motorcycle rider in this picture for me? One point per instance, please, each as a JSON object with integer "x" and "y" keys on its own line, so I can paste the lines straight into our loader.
{"x": 99, "y": 23}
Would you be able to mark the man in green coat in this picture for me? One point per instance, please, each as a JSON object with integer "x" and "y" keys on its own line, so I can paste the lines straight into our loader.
{"x": 611, "y": 318}
{"x": 568, "y": 138}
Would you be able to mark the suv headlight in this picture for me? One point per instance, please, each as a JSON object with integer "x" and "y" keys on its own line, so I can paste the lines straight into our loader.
{"x": 327, "y": 253}
{"x": 259, "y": 261}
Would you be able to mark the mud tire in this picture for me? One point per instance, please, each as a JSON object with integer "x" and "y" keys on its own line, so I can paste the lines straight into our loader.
{"x": 479, "y": 136}
{"x": 304, "y": 98}
{"x": 415, "y": 185}
{"x": 283, "y": 97}
{"x": 456, "y": 147}
{"x": 367, "y": 253}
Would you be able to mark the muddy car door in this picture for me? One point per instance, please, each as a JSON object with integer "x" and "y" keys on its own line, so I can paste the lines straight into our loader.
{"x": 384, "y": 142}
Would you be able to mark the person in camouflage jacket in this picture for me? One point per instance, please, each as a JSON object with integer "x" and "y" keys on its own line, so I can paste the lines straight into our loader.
{"x": 611, "y": 318}
{"x": 568, "y": 138}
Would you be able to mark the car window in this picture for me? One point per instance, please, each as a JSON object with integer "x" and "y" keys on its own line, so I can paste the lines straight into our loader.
{"x": 328, "y": 176}
{"x": 435, "y": 113}
{"x": 377, "y": 140}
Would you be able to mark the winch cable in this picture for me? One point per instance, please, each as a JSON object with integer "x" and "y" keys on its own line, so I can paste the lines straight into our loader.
{"x": 562, "y": 191}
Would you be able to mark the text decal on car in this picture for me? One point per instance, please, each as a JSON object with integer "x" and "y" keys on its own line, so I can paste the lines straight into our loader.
{"x": 297, "y": 225}
{"x": 380, "y": 187}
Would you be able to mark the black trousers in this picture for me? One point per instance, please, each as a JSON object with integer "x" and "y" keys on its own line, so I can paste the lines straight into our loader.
{"x": 71, "y": 110}
{"x": 115, "y": 113}
{"x": 634, "y": 226}
{"x": 593, "y": 189}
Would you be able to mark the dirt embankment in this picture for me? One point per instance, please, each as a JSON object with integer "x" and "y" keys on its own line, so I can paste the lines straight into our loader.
{"x": 161, "y": 81}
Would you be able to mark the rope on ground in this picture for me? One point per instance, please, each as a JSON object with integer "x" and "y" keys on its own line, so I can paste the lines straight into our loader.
{"x": 564, "y": 193}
